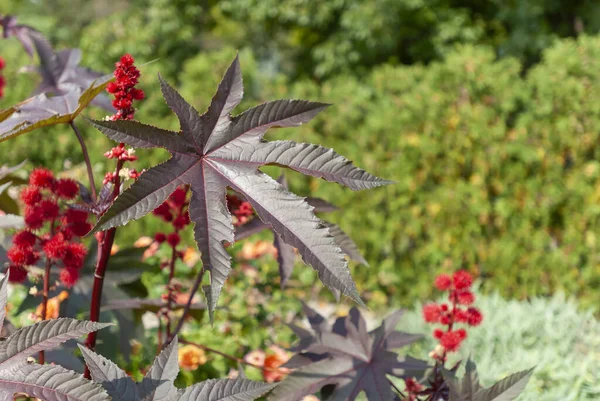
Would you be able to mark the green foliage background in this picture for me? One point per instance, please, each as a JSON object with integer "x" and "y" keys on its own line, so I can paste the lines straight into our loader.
{"x": 491, "y": 132}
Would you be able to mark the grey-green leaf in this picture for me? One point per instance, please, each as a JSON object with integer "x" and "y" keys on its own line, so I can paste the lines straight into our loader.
{"x": 42, "y": 336}
{"x": 148, "y": 192}
{"x": 106, "y": 373}
{"x": 225, "y": 390}
{"x": 141, "y": 135}
{"x": 3, "y": 298}
{"x": 507, "y": 389}
{"x": 158, "y": 382}
{"x": 50, "y": 383}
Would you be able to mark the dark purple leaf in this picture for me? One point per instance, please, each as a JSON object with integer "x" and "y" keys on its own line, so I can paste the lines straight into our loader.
{"x": 61, "y": 73}
{"x": 216, "y": 151}
{"x": 21, "y": 32}
{"x": 42, "y": 111}
{"x": 469, "y": 388}
{"x": 351, "y": 359}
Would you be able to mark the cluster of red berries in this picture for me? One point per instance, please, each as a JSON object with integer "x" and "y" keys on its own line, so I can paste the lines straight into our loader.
{"x": 241, "y": 210}
{"x": 2, "y": 81}
{"x": 41, "y": 198}
{"x": 175, "y": 211}
{"x": 413, "y": 388}
{"x": 127, "y": 76}
{"x": 122, "y": 155}
{"x": 457, "y": 311}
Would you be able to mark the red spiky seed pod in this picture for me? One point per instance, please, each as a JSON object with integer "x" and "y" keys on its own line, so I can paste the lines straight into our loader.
{"x": 66, "y": 188}
{"x": 41, "y": 177}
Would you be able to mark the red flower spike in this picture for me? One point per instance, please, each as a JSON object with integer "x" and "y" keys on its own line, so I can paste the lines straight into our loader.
{"x": 173, "y": 239}
{"x": 438, "y": 333}
{"x": 451, "y": 340}
{"x": 160, "y": 237}
{"x": 443, "y": 282}
{"x": 56, "y": 247}
{"x": 74, "y": 256}
{"x": 24, "y": 239}
{"x": 475, "y": 317}
{"x": 31, "y": 196}
{"x": 465, "y": 297}
{"x": 48, "y": 209}
{"x": 66, "y": 188}
{"x": 17, "y": 274}
{"x": 109, "y": 177}
{"x": 461, "y": 316}
{"x": 444, "y": 307}
{"x": 41, "y": 177}
{"x": 19, "y": 256}
{"x": 2, "y": 63}
{"x": 431, "y": 313}
{"x": 33, "y": 218}
{"x": 126, "y": 75}
{"x": 69, "y": 277}
{"x": 462, "y": 280}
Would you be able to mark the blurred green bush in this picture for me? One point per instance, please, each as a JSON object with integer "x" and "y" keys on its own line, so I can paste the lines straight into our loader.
{"x": 497, "y": 168}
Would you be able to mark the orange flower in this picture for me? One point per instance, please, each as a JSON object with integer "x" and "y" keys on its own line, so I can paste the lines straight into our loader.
{"x": 254, "y": 250}
{"x": 191, "y": 256}
{"x": 190, "y": 357}
{"x": 273, "y": 361}
{"x": 52, "y": 308}
{"x": 143, "y": 242}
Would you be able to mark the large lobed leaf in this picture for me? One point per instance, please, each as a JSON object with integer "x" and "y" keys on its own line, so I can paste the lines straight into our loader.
{"x": 469, "y": 388}
{"x": 51, "y": 383}
{"x": 215, "y": 151}
{"x": 349, "y": 357}
{"x": 157, "y": 384}
{"x": 286, "y": 256}
{"x": 42, "y": 111}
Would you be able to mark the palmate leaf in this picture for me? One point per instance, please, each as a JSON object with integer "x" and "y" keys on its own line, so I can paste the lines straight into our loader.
{"x": 10, "y": 28}
{"x": 469, "y": 388}
{"x": 158, "y": 384}
{"x": 349, "y": 357}
{"x": 61, "y": 73}
{"x": 42, "y": 111}
{"x": 216, "y": 151}
{"x": 286, "y": 255}
{"x": 50, "y": 383}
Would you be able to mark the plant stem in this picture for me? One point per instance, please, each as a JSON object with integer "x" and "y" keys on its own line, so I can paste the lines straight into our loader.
{"x": 187, "y": 308}
{"x": 86, "y": 157}
{"x": 45, "y": 293}
{"x": 105, "y": 244}
{"x": 396, "y": 388}
{"x": 231, "y": 357}
{"x": 170, "y": 290}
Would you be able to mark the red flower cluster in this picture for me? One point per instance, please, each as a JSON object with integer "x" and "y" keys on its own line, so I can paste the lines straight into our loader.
{"x": 2, "y": 81}
{"x": 241, "y": 210}
{"x": 41, "y": 199}
{"x": 175, "y": 211}
{"x": 123, "y": 89}
{"x": 458, "y": 311}
{"x": 413, "y": 388}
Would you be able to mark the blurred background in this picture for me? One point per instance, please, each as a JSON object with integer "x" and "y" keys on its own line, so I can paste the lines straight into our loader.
{"x": 485, "y": 113}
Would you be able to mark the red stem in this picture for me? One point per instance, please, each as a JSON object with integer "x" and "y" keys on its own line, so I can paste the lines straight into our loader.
{"x": 46, "y": 292}
{"x": 86, "y": 157}
{"x": 105, "y": 243}
{"x": 170, "y": 289}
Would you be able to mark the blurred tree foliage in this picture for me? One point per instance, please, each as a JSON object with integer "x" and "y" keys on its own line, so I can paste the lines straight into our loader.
{"x": 495, "y": 154}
